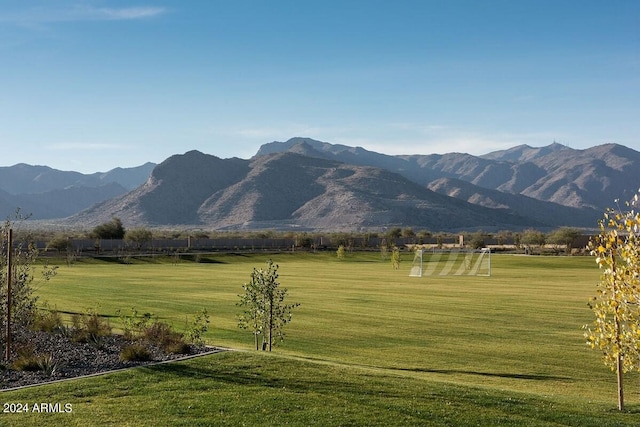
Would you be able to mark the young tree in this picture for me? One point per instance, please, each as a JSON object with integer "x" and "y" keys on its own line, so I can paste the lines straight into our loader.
{"x": 265, "y": 312}
{"x": 616, "y": 329}
{"x": 22, "y": 301}
{"x": 395, "y": 258}
{"x": 340, "y": 252}
{"x": 384, "y": 250}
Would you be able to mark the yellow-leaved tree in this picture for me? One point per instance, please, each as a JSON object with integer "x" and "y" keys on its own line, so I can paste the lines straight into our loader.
{"x": 616, "y": 329}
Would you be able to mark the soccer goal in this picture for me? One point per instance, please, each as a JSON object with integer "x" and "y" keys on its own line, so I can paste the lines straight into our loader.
{"x": 451, "y": 262}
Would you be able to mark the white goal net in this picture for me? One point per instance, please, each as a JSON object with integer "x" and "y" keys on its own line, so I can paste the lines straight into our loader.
{"x": 451, "y": 262}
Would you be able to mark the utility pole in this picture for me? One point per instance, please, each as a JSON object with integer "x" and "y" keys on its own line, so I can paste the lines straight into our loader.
{"x": 7, "y": 353}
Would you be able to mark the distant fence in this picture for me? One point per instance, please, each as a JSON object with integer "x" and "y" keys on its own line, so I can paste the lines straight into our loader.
{"x": 270, "y": 244}
{"x": 174, "y": 245}
{"x": 235, "y": 244}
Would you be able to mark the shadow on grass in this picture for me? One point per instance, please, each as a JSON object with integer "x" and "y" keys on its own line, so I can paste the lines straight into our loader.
{"x": 536, "y": 377}
{"x": 200, "y": 259}
{"x": 132, "y": 259}
{"x": 83, "y": 313}
{"x": 255, "y": 376}
{"x": 296, "y": 377}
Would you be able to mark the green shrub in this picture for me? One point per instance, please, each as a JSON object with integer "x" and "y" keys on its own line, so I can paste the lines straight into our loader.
{"x": 134, "y": 324}
{"x": 197, "y": 327}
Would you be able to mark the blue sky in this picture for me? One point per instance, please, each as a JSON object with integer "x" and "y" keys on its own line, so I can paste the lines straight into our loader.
{"x": 91, "y": 85}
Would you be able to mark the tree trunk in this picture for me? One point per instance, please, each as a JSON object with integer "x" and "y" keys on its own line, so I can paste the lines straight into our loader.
{"x": 619, "y": 362}
{"x": 7, "y": 354}
{"x": 270, "y": 321}
{"x": 619, "y": 367}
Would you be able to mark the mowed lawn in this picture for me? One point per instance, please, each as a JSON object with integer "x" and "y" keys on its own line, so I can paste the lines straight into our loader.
{"x": 514, "y": 335}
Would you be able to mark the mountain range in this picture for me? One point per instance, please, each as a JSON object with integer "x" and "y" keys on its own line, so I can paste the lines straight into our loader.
{"x": 312, "y": 185}
{"x": 46, "y": 193}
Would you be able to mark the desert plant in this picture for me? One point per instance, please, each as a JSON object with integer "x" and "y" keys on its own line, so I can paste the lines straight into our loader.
{"x": 48, "y": 320}
{"x": 27, "y": 360}
{"x": 89, "y": 327}
{"x": 135, "y": 353}
{"x": 163, "y": 335}
{"x": 176, "y": 347}
{"x": 47, "y": 364}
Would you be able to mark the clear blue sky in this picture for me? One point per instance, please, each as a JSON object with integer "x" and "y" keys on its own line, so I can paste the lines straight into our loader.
{"x": 90, "y": 85}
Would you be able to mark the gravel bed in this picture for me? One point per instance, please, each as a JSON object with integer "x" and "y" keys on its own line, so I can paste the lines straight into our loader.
{"x": 73, "y": 359}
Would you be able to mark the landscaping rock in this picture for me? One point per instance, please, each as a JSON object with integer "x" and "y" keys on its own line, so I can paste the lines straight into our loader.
{"x": 69, "y": 359}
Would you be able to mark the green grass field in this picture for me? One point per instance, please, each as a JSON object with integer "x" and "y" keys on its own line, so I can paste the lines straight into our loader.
{"x": 366, "y": 341}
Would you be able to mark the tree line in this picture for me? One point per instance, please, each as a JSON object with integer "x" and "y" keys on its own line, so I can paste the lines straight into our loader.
{"x": 529, "y": 240}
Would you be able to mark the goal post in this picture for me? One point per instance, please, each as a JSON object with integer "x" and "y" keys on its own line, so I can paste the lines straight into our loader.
{"x": 451, "y": 262}
{"x": 416, "y": 266}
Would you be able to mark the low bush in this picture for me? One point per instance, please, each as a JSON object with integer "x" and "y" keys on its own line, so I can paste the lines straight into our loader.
{"x": 27, "y": 360}
{"x": 163, "y": 335}
{"x": 177, "y": 347}
{"x": 134, "y": 324}
{"x": 135, "y": 353}
{"x": 47, "y": 320}
{"x": 89, "y": 327}
{"x": 47, "y": 364}
{"x": 195, "y": 329}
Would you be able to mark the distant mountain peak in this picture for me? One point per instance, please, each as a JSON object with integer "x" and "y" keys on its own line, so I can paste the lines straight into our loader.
{"x": 312, "y": 184}
{"x": 525, "y": 153}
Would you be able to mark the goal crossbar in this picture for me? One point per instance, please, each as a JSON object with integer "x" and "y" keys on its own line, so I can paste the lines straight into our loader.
{"x": 451, "y": 262}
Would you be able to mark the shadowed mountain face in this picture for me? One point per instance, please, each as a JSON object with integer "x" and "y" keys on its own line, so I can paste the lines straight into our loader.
{"x": 46, "y": 193}
{"x": 308, "y": 184}
{"x": 549, "y": 213}
{"x": 173, "y": 193}
{"x": 289, "y": 189}
{"x": 27, "y": 179}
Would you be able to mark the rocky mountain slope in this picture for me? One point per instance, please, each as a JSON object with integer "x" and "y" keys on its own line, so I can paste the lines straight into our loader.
{"x": 284, "y": 190}
{"x": 307, "y": 184}
{"x": 545, "y": 212}
{"x": 590, "y": 178}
